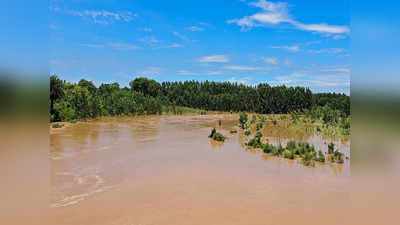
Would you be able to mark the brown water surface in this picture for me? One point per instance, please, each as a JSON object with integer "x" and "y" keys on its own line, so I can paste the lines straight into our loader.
{"x": 163, "y": 170}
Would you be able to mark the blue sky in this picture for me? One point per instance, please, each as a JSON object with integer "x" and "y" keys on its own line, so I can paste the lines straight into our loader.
{"x": 290, "y": 42}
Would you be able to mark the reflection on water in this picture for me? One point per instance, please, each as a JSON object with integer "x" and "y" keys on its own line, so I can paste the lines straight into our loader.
{"x": 164, "y": 170}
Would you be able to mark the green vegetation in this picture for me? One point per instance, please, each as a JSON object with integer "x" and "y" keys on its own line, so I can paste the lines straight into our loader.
{"x": 69, "y": 101}
{"x": 294, "y": 150}
{"x": 259, "y": 125}
{"x": 255, "y": 142}
{"x": 247, "y": 133}
{"x": 334, "y": 155}
{"x": 57, "y": 125}
{"x": 243, "y": 119}
{"x": 216, "y": 136}
{"x": 233, "y": 131}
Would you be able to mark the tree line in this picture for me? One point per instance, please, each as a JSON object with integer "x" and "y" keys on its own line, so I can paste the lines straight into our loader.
{"x": 69, "y": 101}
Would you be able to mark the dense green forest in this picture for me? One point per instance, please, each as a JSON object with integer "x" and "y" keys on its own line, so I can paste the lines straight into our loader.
{"x": 70, "y": 101}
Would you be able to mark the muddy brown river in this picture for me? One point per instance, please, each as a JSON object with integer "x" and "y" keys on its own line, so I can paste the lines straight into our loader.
{"x": 163, "y": 170}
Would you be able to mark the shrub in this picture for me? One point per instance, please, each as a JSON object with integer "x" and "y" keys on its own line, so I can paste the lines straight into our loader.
{"x": 233, "y": 131}
{"x": 213, "y": 131}
{"x": 256, "y": 141}
{"x": 307, "y": 159}
{"x": 321, "y": 157}
{"x": 219, "y": 122}
{"x": 269, "y": 148}
{"x": 331, "y": 148}
{"x": 216, "y": 136}
{"x": 243, "y": 119}
{"x": 247, "y": 133}
{"x": 274, "y": 121}
{"x": 57, "y": 125}
{"x": 291, "y": 145}
{"x": 259, "y": 126}
{"x": 338, "y": 156}
{"x": 289, "y": 154}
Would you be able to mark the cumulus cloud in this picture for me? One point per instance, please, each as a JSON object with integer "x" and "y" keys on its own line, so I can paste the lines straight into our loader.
{"x": 214, "y": 58}
{"x": 274, "y": 13}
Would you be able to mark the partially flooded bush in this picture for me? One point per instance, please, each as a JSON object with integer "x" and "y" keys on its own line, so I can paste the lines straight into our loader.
{"x": 219, "y": 122}
{"x": 262, "y": 118}
{"x": 291, "y": 145}
{"x": 331, "y": 148}
{"x": 289, "y": 154}
{"x": 321, "y": 157}
{"x": 216, "y": 136}
{"x": 308, "y": 159}
{"x": 256, "y": 141}
{"x": 274, "y": 121}
{"x": 57, "y": 125}
{"x": 213, "y": 131}
{"x": 243, "y": 119}
{"x": 338, "y": 157}
{"x": 247, "y": 133}
{"x": 269, "y": 148}
{"x": 259, "y": 126}
{"x": 233, "y": 131}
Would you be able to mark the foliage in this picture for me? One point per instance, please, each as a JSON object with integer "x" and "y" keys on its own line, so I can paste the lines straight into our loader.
{"x": 321, "y": 157}
{"x": 247, "y": 133}
{"x": 291, "y": 145}
{"x": 57, "y": 125}
{"x": 255, "y": 142}
{"x": 331, "y": 148}
{"x": 233, "y": 131}
{"x": 216, "y": 136}
{"x": 145, "y": 96}
{"x": 259, "y": 125}
{"x": 243, "y": 119}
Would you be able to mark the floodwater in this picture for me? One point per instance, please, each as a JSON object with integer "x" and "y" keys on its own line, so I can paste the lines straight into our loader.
{"x": 163, "y": 170}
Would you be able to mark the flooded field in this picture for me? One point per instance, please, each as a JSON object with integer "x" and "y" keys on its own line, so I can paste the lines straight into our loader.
{"x": 163, "y": 170}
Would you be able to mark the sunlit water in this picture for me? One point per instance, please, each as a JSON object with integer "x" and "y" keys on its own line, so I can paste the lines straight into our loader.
{"x": 163, "y": 170}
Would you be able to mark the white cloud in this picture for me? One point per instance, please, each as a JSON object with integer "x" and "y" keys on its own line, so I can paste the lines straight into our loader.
{"x": 338, "y": 37}
{"x": 195, "y": 28}
{"x": 150, "y": 71}
{"x": 214, "y": 73}
{"x": 270, "y": 60}
{"x": 214, "y": 58}
{"x": 92, "y": 45}
{"x": 181, "y": 36}
{"x": 323, "y": 28}
{"x": 292, "y": 48}
{"x": 123, "y": 46}
{"x": 245, "y": 80}
{"x": 173, "y": 45}
{"x": 103, "y": 16}
{"x": 343, "y": 70}
{"x": 245, "y": 68}
{"x": 328, "y": 51}
{"x": 274, "y": 13}
{"x": 186, "y": 72}
{"x": 150, "y": 40}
